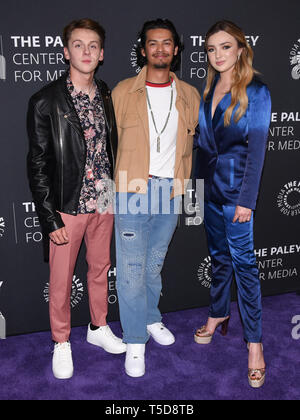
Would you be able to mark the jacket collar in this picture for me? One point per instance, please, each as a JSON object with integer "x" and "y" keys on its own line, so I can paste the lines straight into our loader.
{"x": 67, "y": 105}
{"x": 140, "y": 83}
{"x": 101, "y": 86}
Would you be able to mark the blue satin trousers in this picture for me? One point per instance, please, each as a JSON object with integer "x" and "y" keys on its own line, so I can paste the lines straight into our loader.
{"x": 231, "y": 249}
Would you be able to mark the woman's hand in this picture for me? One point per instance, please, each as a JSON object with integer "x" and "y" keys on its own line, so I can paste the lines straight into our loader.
{"x": 242, "y": 214}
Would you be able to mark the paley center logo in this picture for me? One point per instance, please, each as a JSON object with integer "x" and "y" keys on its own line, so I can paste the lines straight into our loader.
{"x": 2, "y": 227}
{"x": 288, "y": 200}
{"x": 204, "y": 273}
{"x": 133, "y": 58}
{"x": 295, "y": 60}
{"x": 76, "y": 293}
{"x": 2, "y": 61}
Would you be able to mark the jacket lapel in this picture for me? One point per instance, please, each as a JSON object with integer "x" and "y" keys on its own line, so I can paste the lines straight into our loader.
{"x": 142, "y": 110}
{"x": 218, "y": 119}
{"x": 181, "y": 104}
{"x": 205, "y": 120}
{"x": 69, "y": 112}
{"x": 105, "y": 94}
{"x": 139, "y": 89}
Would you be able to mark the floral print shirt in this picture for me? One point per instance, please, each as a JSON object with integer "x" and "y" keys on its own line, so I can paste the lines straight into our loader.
{"x": 95, "y": 192}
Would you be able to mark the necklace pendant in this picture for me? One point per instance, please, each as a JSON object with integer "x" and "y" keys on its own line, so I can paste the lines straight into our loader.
{"x": 158, "y": 145}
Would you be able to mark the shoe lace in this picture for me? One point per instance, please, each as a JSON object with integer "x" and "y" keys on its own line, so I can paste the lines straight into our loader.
{"x": 62, "y": 350}
{"x": 109, "y": 332}
{"x": 160, "y": 325}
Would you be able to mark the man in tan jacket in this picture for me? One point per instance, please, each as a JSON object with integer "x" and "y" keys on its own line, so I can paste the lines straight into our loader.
{"x": 156, "y": 116}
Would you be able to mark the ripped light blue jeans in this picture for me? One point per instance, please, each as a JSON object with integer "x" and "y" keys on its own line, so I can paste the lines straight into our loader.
{"x": 142, "y": 241}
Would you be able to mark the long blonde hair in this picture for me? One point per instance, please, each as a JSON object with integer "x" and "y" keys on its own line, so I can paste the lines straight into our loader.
{"x": 242, "y": 74}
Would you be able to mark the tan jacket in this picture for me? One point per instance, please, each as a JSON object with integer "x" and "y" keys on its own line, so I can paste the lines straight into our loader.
{"x": 133, "y": 158}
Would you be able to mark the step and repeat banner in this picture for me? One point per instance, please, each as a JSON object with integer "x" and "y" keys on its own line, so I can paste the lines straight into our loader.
{"x": 31, "y": 56}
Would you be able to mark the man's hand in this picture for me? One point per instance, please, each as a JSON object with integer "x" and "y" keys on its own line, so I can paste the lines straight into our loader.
{"x": 242, "y": 214}
{"x": 59, "y": 236}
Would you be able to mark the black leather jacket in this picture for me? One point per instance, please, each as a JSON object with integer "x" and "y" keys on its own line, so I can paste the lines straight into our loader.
{"x": 57, "y": 151}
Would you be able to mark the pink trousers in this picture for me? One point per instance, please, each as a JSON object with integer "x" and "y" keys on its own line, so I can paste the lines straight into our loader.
{"x": 96, "y": 229}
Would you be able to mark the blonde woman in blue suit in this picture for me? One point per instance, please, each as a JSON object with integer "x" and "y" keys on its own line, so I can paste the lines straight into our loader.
{"x": 234, "y": 119}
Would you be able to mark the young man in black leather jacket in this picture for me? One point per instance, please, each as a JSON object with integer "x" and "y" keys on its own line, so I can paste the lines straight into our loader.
{"x": 73, "y": 144}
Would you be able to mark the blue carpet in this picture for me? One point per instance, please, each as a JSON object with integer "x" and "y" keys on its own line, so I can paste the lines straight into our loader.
{"x": 184, "y": 371}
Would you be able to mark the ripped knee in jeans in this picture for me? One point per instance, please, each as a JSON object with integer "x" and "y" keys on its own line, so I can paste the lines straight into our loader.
{"x": 128, "y": 235}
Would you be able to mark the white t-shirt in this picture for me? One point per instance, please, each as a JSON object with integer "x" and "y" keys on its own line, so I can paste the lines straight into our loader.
{"x": 162, "y": 163}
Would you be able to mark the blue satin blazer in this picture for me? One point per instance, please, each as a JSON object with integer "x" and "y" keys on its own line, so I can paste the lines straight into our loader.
{"x": 230, "y": 159}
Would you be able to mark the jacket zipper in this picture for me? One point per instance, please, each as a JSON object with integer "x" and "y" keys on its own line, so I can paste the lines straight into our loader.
{"x": 62, "y": 160}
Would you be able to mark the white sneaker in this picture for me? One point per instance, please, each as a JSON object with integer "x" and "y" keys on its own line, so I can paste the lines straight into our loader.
{"x": 105, "y": 338}
{"x": 135, "y": 360}
{"x": 62, "y": 362}
{"x": 161, "y": 334}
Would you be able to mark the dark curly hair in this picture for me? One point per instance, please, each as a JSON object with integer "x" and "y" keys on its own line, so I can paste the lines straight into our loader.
{"x": 142, "y": 37}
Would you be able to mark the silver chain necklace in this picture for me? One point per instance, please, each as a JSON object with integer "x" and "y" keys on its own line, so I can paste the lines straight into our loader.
{"x": 153, "y": 119}
{"x": 89, "y": 91}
